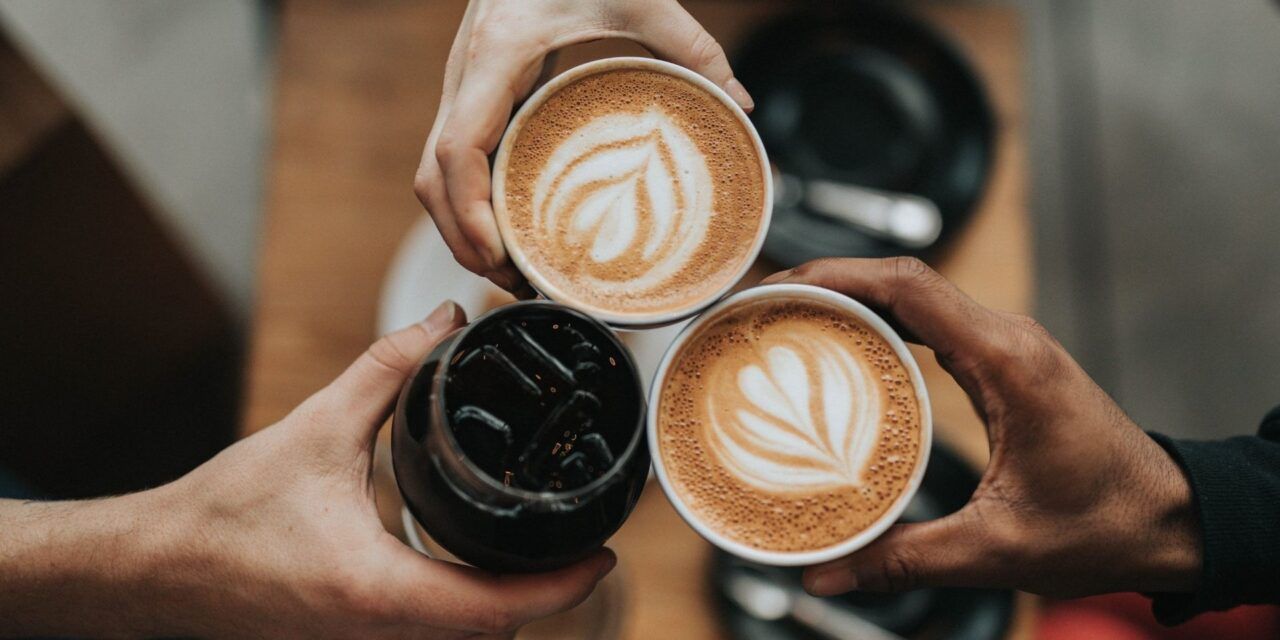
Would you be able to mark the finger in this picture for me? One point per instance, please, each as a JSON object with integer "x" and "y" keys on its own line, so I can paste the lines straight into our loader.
{"x": 912, "y": 295}
{"x": 461, "y": 597}
{"x": 365, "y": 391}
{"x": 475, "y": 125}
{"x": 428, "y": 182}
{"x": 943, "y": 552}
{"x": 672, "y": 34}
{"x": 429, "y": 186}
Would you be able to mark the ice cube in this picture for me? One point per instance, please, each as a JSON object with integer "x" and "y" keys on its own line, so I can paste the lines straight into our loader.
{"x": 556, "y": 437}
{"x": 587, "y": 374}
{"x": 491, "y": 355}
{"x": 487, "y": 440}
{"x": 591, "y": 458}
{"x": 539, "y": 355}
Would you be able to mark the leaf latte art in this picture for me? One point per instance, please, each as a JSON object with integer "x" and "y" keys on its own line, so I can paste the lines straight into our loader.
{"x": 630, "y": 192}
{"x": 805, "y": 416}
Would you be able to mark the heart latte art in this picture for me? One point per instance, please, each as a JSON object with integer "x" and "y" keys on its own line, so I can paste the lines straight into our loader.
{"x": 788, "y": 424}
{"x": 631, "y": 191}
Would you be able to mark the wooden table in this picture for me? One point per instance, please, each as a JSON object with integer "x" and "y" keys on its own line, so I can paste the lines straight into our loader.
{"x": 356, "y": 91}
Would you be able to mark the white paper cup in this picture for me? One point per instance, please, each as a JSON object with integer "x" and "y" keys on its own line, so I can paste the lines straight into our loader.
{"x": 531, "y": 272}
{"x": 858, "y": 540}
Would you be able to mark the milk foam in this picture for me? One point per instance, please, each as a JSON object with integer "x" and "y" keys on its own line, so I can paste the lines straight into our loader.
{"x": 626, "y": 186}
{"x": 788, "y": 424}
{"x": 804, "y": 416}
{"x": 633, "y": 192}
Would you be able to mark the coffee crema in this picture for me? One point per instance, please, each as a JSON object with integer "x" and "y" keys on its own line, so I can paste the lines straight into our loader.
{"x": 788, "y": 425}
{"x": 633, "y": 191}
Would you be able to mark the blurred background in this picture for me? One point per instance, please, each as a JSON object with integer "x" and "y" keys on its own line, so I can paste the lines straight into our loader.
{"x": 185, "y": 187}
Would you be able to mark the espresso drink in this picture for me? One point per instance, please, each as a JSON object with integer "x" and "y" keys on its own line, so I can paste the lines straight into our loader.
{"x": 788, "y": 424}
{"x": 631, "y": 192}
{"x": 519, "y": 444}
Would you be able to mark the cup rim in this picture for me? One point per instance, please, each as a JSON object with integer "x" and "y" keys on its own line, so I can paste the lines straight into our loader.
{"x": 812, "y": 556}
{"x": 516, "y": 251}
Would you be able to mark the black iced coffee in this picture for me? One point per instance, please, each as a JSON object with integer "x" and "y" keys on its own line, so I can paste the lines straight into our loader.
{"x": 519, "y": 445}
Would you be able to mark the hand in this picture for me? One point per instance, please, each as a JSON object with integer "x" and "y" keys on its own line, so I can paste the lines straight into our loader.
{"x": 275, "y": 537}
{"x": 1075, "y": 500}
{"x": 498, "y": 57}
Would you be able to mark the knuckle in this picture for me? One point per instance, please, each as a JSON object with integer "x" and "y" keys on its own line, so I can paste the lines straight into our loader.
{"x": 497, "y": 618}
{"x": 425, "y": 186}
{"x": 1027, "y": 348}
{"x": 388, "y": 355}
{"x": 704, "y": 51}
{"x": 911, "y": 270}
{"x": 897, "y": 573}
{"x": 448, "y": 145}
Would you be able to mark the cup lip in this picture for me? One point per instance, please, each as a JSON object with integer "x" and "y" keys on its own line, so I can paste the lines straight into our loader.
{"x": 527, "y": 496}
{"x": 516, "y": 251}
{"x": 812, "y": 556}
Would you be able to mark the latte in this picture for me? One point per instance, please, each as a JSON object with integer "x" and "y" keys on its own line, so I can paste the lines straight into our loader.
{"x": 632, "y": 189}
{"x": 785, "y": 423}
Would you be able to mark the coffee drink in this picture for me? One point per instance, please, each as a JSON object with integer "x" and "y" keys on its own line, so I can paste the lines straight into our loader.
{"x": 519, "y": 444}
{"x": 633, "y": 190}
{"x": 787, "y": 424}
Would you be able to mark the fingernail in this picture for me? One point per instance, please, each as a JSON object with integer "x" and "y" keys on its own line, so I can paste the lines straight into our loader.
{"x": 442, "y": 317}
{"x": 739, "y": 94}
{"x": 830, "y": 583}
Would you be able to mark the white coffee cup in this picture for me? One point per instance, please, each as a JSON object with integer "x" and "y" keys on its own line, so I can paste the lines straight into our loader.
{"x": 542, "y": 284}
{"x": 858, "y": 540}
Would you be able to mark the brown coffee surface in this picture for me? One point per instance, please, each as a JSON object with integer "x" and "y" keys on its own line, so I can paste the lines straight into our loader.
{"x": 634, "y": 191}
{"x": 788, "y": 425}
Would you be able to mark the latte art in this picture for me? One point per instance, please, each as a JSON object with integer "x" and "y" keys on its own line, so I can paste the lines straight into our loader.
{"x": 787, "y": 424}
{"x": 631, "y": 192}
{"x": 625, "y": 188}
{"x": 805, "y": 417}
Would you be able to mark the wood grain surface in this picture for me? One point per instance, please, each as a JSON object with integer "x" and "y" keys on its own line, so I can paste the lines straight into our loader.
{"x": 357, "y": 87}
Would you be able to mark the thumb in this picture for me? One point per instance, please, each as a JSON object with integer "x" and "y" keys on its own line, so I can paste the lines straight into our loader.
{"x": 666, "y": 29}
{"x": 942, "y": 552}
{"x": 365, "y": 391}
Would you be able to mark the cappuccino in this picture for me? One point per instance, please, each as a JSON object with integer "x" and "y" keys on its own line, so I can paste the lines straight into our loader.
{"x": 632, "y": 189}
{"x": 785, "y": 423}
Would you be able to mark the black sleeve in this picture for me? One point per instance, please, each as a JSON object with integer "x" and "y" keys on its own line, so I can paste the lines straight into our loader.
{"x": 1236, "y": 484}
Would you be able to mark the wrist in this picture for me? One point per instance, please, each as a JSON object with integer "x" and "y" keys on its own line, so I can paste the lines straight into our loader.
{"x": 1171, "y": 527}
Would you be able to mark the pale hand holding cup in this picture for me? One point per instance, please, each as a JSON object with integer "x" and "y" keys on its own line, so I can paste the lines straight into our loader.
{"x": 275, "y": 537}
{"x": 498, "y": 57}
